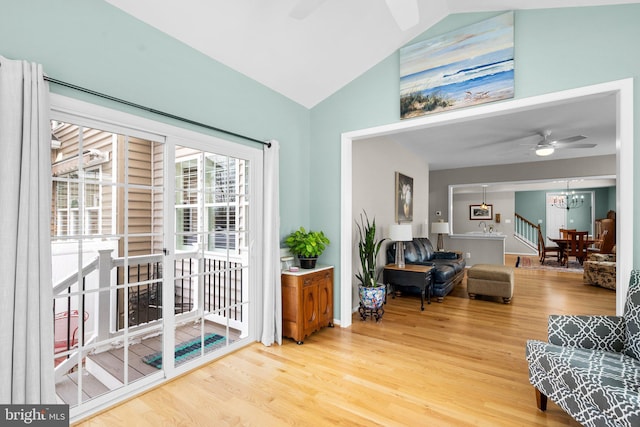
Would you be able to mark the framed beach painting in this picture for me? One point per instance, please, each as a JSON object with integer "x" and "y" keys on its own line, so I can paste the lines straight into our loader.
{"x": 404, "y": 198}
{"x": 465, "y": 67}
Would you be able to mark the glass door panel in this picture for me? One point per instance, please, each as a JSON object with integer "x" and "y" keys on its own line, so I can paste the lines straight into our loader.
{"x": 211, "y": 261}
{"x": 107, "y": 235}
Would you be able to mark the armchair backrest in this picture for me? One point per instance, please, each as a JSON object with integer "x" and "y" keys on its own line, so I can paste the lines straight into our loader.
{"x": 632, "y": 316}
{"x": 608, "y": 236}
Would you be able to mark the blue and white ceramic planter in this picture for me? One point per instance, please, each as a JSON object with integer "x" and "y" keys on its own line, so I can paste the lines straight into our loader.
{"x": 372, "y": 298}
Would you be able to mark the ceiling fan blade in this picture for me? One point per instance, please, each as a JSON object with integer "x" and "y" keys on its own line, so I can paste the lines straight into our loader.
{"x": 563, "y": 145}
{"x": 405, "y": 13}
{"x": 571, "y": 139}
{"x": 304, "y": 8}
{"x": 523, "y": 140}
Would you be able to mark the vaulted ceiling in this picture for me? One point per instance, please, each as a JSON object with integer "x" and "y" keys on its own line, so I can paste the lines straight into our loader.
{"x": 308, "y": 49}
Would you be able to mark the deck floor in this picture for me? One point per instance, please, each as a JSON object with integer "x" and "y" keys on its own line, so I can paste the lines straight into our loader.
{"x": 113, "y": 362}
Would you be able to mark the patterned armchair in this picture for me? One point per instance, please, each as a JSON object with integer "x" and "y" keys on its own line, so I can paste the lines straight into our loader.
{"x": 590, "y": 367}
{"x": 600, "y": 270}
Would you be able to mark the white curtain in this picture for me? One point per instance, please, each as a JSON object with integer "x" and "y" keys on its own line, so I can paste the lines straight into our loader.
{"x": 272, "y": 310}
{"x": 26, "y": 307}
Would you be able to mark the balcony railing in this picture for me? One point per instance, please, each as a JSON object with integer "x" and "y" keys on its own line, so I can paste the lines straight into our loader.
{"x": 138, "y": 281}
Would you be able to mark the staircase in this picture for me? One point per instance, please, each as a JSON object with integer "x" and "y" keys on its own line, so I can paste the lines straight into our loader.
{"x": 526, "y": 232}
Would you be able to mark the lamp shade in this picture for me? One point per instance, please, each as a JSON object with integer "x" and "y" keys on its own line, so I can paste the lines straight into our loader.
{"x": 440, "y": 228}
{"x": 400, "y": 232}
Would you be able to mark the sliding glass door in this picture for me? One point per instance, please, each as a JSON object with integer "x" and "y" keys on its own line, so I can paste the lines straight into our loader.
{"x": 156, "y": 254}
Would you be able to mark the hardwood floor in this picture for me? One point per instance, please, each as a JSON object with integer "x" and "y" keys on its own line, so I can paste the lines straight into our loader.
{"x": 460, "y": 362}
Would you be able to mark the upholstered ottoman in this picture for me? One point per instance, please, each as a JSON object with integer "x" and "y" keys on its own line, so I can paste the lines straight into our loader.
{"x": 490, "y": 280}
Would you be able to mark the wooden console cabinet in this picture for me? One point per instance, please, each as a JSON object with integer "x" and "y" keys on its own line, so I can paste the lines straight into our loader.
{"x": 307, "y": 301}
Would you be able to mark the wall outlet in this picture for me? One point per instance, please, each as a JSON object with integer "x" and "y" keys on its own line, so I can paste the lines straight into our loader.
{"x": 539, "y": 221}
{"x": 467, "y": 255}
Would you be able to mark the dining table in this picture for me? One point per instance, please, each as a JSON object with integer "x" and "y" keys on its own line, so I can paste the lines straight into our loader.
{"x": 563, "y": 244}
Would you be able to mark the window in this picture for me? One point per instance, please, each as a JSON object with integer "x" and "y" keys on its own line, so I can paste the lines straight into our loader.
{"x": 207, "y": 188}
{"x": 78, "y": 203}
{"x": 187, "y": 203}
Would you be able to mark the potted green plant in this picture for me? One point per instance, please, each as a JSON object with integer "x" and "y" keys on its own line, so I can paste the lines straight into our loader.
{"x": 307, "y": 245}
{"x": 371, "y": 292}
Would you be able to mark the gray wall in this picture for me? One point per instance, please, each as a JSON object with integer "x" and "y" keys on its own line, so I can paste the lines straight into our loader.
{"x": 374, "y": 166}
{"x": 555, "y": 169}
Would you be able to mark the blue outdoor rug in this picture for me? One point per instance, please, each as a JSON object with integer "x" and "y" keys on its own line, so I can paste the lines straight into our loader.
{"x": 187, "y": 350}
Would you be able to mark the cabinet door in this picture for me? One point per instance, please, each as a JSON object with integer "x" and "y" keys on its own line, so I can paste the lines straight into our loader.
{"x": 325, "y": 299}
{"x": 309, "y": 307}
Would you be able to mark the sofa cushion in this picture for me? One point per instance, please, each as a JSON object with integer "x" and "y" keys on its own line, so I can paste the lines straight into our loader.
{"x": 457, "y": 266}
{"x": 608, "y": 381}
{"x": 442, "y": 273}
{"x": 632, "y": 316}
{"x": 426, "y": 246}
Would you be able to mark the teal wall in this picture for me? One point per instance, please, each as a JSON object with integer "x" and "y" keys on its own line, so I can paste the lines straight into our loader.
{"x": 532, "y": 206}
{"x": 92, "y": 44}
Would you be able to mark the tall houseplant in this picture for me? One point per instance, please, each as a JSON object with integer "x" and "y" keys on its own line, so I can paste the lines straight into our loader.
{"x": 370, "y": 291}
{"x": 307, "y": 245}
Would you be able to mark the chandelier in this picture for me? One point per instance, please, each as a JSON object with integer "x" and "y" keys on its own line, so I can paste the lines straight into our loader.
{"x": 568, "y": 200}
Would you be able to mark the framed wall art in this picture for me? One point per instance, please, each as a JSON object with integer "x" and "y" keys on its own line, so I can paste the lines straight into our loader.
{"x": 468, "y": 66}
{"x": 479, "y": 212}
{"x": 404, "y": 198}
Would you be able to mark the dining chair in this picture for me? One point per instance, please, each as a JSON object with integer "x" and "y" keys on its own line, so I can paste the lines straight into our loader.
{"x": 564, "y": 232}
{"x": 577, "y": 246}
{"x": 544, "y": 250}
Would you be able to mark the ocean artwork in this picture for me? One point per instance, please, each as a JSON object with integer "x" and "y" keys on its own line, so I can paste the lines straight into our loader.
{"x": 469, "y": 66}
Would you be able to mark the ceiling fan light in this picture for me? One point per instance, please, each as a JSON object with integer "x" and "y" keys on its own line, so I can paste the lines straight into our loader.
{"x": 544, "y": 151}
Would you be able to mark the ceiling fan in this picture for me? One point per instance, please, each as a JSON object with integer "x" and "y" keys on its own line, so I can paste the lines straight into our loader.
{"x": 547, "y": 145}
{"x": 404, "y": 12}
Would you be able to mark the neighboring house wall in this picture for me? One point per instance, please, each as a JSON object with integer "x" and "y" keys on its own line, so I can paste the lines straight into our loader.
{"x": 65, "y": 161}
{"x": 139, "y": 201}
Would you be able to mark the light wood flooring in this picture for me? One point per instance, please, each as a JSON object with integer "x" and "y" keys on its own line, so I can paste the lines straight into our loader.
{"x": 457, "y": 363}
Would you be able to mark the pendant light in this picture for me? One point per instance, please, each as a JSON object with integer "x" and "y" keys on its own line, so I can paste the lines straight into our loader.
{"x": 484, "y": 197}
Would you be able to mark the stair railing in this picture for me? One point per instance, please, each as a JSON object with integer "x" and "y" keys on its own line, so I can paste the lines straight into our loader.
{"x": 526, "y": 231}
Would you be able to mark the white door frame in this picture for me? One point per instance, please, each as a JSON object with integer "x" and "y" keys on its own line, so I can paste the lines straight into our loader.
{"x": 623, "y": 91}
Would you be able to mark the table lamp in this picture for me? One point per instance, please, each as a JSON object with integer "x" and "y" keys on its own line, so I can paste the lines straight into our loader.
{"x": 400, "y": 233}
{"x": 440, "y": 228}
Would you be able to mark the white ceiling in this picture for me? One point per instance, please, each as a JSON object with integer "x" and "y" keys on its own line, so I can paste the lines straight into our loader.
{"x": 306, "y": 49}
{"x": 510, "y": 138}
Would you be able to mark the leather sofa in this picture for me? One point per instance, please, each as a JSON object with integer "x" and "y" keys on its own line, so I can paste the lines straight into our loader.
{"x": 448, "y": 268}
